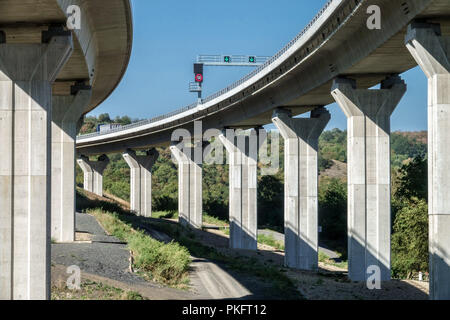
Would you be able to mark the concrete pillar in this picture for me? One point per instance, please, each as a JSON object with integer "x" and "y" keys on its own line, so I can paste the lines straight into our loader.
{"x": 27, "y": 72}
{"x": 190, "y": 206}
{"x": 431, "y": 50}
{"x": 369, "y": 173}
{"x": 301, "y": 143}
{"x": 243, "y": 157}
{"x": 66, "y": 111}
{"x": 93, "y": 173}
{"x": 141, "y": 180}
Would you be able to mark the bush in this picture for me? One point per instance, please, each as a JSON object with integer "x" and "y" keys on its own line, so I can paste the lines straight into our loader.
{"x": 333, "y": 213}
{"x": 270, "y": 202}
{"x": 410, "y": 240}
{"x": 166, "y": 263}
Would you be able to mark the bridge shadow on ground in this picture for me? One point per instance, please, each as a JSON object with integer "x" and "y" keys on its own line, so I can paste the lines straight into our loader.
{"x": 220, "y": 276}
{"x": 261, "y": 273}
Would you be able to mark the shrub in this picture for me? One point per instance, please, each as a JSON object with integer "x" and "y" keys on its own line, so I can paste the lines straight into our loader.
{"x": 410, "y": 240}
{"x": 333, "y": 213}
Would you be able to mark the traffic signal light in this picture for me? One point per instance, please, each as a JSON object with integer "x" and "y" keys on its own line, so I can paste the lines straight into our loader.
{"x": 198, "y": 68}
{"x": 198, "y": 71}
{"x": 251, "y": 59}
{"x": 226, "y": 59}
{"x": 199, "y": 77}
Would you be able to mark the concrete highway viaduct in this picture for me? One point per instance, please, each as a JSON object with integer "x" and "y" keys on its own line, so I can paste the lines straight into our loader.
{"x": 336, "y": 58}
{"x": 51, "y": 74}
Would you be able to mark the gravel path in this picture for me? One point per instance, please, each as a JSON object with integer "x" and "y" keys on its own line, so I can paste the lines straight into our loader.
{"x": 106, "y": 256}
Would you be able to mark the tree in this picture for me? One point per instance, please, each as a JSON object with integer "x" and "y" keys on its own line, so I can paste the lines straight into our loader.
{"x": 270, "y": 202}
{"x": 104, "y": 118}
{"x": 333, "y": 213}
{"x": 410, "y": 240}
{"x": 410, "y": 213}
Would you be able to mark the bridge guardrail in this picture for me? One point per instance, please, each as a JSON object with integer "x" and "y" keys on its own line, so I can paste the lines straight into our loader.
{"x": 219, "y": 93}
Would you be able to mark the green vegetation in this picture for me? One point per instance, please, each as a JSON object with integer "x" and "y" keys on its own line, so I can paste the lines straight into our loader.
{"x": 409, "y": 191}
{"x": 90, "y": 123}
{"x": 410, "y": 214}
{"x": 270, "y": 241}
{"x": 405, "y": 147}
{"x": 168, "y": 263}
{"x": 165, "y": 263}
{"x": 93, "y": 291}
{"x": 333, "y": 213}
{"x": 214, "y": 221}
{"x": 332, "y": 146}
{"x": 326, "y": 260}
{"x": 282, "y": 285}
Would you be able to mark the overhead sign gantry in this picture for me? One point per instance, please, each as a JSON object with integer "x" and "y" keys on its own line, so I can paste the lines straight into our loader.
{"x": 221, "y": 60}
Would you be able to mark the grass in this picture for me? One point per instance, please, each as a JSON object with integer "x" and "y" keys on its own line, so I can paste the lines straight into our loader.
{"x": 282, "y": 286}
{"x": 270, "y": 241}
{"x": 93, "y": 291}
{"x": 164, "y": 263}
{"x": 165, "y": 215}
{"x": 324, "y": 258}
{"x": 125, "y": 226}
{"x": 214, "y": 221}
{"x": 174, "y": 215}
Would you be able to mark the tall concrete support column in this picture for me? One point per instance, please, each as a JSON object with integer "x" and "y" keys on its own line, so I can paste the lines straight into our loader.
{"x": 431, "y": 50}
{"x": 301, "y": 136}
{"x": 141, "y": 180}
{"x": 66, "y": 111}
{"x": 190, "y": 206}
{"x": 93, "y": 173}
{"x": 27, "y": 72}
{"x": 369, "y": 175}
{"x": 243, "y": 157}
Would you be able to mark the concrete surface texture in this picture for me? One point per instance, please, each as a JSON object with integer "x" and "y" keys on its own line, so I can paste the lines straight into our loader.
{"x": 141, "y": 180}
{"x": 431, "y": 50}
{"x": 243, "y": 157}
{"x": 66, "y": 111}
{"x": 93, "y": 173}
{"x": 27, "y": 72}
{"x": 190, "y": 206}
{"x": 369, "y": 174}
{"x": 301, "y": 141}
{"x": 40, "y": 59}
{"x": 299, "y": 77}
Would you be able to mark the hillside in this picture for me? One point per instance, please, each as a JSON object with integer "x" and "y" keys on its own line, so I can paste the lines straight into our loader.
{"x": 408, "y": 152}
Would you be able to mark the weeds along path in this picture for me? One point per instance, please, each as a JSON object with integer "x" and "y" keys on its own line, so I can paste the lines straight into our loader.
{"x": 213, "y": 274}
{"x": 106, "y": 259}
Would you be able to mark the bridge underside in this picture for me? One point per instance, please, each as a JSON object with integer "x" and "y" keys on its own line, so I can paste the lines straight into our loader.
{"x": 49, "y": 77}
{"x": 342, "y": 65}
{"x": 304, "y": 85}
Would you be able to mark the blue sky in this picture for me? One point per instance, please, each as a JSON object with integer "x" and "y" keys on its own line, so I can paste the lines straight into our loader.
{"x": 169, "y": 34}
